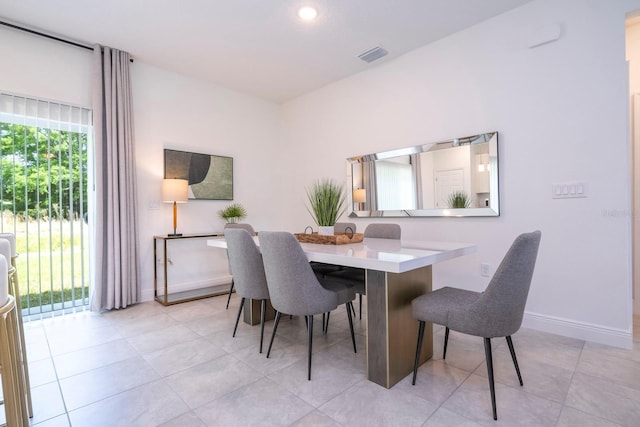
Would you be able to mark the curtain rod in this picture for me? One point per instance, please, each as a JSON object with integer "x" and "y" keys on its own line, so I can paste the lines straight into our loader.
{"x": 48, "y": 36}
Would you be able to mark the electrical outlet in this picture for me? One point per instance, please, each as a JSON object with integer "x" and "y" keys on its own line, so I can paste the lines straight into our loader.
{"x": 485, "y": 269}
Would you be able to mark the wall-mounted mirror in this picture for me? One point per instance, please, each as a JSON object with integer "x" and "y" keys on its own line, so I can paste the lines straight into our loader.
{"x": 458, "y": 177}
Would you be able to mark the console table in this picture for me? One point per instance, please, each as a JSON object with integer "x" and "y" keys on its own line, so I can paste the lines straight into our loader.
{"x": 178, "y": 297}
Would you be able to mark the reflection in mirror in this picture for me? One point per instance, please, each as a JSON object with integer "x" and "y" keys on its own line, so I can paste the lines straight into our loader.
{"x": 458, "y": 177}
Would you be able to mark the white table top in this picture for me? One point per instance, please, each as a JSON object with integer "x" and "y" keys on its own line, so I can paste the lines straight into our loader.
{"x": 393, "y": 256}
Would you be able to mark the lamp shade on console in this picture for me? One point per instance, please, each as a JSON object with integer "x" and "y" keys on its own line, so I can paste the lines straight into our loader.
{"x": 175, "y": 191}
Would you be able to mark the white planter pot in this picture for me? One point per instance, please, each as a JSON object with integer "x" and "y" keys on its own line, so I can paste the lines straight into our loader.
{"x": 325, "y": 231}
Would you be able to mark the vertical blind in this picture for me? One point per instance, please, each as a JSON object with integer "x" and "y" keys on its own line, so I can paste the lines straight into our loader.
{"x": 43, "y": 188}
{"x": 395, "y": 185}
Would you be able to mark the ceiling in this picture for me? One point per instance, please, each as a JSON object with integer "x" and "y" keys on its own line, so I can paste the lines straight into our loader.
{"x": 259, "y": 47}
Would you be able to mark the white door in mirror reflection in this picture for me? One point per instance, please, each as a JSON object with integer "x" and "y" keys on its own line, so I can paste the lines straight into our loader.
{"x": 448, "y": 182}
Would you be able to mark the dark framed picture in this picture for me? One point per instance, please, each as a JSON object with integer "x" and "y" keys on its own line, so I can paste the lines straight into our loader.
{"x": 210, "y": 177}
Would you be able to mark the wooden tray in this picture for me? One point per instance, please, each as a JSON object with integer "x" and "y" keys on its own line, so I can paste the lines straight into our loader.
{"x": 336, "y": 239}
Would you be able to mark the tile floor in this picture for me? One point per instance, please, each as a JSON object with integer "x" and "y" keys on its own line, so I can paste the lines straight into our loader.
{"x": 151, "y": 365}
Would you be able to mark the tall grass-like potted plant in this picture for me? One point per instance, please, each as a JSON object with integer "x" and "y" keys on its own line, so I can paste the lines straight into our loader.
{"x": 235, "y": 212}
{"x": 459, "y": 200}
{"x": 327, "y": 204}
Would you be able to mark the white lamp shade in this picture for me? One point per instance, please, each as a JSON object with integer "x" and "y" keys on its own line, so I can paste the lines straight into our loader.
{"x": 360, "y": 195}
{"x": 175, "y": 190}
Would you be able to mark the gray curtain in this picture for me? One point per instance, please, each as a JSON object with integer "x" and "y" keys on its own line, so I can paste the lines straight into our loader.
{"x": 369, "y": 180}
{"x": 116, "y": 273}
{"x": 417, "y": 178}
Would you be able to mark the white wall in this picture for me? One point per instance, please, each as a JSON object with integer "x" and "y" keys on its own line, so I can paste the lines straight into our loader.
{"x": 170, "y": 111}
{"x": 561, "y": 111}
{"x": 46, "y": 69}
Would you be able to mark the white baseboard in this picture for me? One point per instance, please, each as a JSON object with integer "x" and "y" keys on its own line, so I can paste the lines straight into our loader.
{"x": 580, "y": 330}
{"x": 221, "y": 282}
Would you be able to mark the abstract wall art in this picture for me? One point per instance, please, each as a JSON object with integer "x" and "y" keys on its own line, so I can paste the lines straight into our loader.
{"x": 210, "y": 177}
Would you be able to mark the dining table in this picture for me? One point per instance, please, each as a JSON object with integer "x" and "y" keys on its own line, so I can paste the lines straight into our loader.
{"x": 396, "y": 272}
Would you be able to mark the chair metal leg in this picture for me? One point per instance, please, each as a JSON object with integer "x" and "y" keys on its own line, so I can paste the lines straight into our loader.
{"x": 360, "y": 298}
{"x": 273, "y": 334}
{"x": 446, "y": 340}
{"x": 353, "y": 336}
{"x": 310, "y": 331}
{"x": 263, "y": 310}
{"x": 324, "y": 320}
{"x": 492, "y": 387}
{"x": 513, "y": 356}
{"x": 238, "y": 318}
{"x": 230, "y": 292}
{"x": 418, "y": 348}
{"x": 326, "y": 325}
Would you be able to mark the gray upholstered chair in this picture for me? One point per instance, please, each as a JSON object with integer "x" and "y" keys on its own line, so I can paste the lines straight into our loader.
{"x": 251, "y": 231}
{"x": 496, "y": 312}
{"x": 355, "y": 276}
{"x": 344, "y": 227}
{"x": 294, "y": 287}
{"x": 383, "y": 231}
{"x": 248, "y": 272}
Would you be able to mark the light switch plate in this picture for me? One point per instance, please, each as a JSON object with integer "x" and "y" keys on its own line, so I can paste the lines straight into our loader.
{"x": 569, "y": 190}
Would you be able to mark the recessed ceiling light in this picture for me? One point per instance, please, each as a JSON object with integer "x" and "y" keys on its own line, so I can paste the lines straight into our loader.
{"x": 307, "y": 13}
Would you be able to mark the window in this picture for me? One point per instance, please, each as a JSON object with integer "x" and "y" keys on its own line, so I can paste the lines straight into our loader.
{"x": 43, "y": 190}
{"x": 395, "y": 182}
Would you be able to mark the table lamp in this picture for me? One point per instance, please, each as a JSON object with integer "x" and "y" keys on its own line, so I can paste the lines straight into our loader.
{"x": 175, "y": 191}
{"x": 360, "y": 197}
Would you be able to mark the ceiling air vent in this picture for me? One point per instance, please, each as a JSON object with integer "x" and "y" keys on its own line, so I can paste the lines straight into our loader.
{"x": 373, "y": 54}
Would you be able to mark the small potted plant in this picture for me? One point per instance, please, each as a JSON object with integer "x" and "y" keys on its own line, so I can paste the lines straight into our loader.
{"x": 327, "y": 204}
{"x": 459, "y": 200}
{"x": 235, "y": 212}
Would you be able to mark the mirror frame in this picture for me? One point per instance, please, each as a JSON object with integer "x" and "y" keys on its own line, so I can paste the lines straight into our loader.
{"x": 494, "y": 200}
